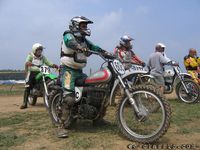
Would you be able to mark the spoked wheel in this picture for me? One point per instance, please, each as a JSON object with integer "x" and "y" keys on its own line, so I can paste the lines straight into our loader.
{"x": 147, "y": 126}
{"x": 32, "y": 100}
{"x": 55, "y": 109}
{"x": 59, "y": 111}
{"x": 193, "y": 94}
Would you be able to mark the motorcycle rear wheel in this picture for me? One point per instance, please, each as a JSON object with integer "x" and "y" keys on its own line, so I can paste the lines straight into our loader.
{"x": 56, "y": 111}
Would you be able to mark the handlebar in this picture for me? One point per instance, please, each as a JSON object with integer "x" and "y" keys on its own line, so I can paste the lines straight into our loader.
{"x": 172, "y": 63}
{"x": 104, "y": 55}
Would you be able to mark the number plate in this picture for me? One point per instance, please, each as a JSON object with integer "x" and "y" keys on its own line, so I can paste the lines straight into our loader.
{"x": 45, "y": 69}
{"x": 137, "y": 68}
{"x": 118, "y": 67}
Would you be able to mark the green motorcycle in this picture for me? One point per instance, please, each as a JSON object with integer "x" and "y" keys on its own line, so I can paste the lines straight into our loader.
{"x": 44, "y": 79}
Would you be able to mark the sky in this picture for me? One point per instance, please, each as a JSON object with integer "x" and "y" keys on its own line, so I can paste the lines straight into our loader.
{"x": 175, "y": 23}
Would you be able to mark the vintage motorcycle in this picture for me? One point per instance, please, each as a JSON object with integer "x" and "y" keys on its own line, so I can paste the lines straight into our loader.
{"x": 41, "y": 88}
{"x": 134, "y": 119}
{"x": 187, "y": 90}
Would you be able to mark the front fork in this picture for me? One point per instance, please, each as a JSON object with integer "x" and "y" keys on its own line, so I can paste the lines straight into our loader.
{"x": 45, "y": 86}
{"x": 131, "y": 99}
{"x": 182, "y": 82}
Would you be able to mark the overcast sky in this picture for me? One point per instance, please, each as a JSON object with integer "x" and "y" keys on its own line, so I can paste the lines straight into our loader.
{"x": 175, "y": 23}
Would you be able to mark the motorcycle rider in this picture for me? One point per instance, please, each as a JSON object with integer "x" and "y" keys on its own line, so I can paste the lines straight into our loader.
{"x": 192, "y": 63}
{"x": 156, "y": 63}
{"x": 125, "y": 54}
{"x": 33, "y": 61}
{"x": 73, "y": 59}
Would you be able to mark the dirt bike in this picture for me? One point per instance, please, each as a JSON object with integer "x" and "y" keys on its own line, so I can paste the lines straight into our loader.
{"x": 187, "y": 90}
{"x": 40, "y": 89}
{"x": 134, "y": 119}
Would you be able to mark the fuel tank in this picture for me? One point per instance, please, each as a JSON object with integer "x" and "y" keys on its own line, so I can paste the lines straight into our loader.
{"x": 100, "y": 76}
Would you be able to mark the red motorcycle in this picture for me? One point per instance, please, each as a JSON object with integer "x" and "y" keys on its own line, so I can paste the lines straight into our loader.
{"x": 134, "y": 118}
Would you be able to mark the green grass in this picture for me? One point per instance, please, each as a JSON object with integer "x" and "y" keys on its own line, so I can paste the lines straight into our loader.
{"x": 10, "y": 138}
{"x": 184, "y": 113}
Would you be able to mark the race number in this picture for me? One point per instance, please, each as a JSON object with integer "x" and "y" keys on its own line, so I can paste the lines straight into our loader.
{"x": 137, "y": 68}
{"x": 45, "y": 69}
{"x": 118, "y": 66}
{"x": 78, "y": 93}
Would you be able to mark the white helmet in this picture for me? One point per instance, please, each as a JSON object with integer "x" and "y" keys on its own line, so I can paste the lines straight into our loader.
{"x": 160, "y": 45}
{"x": 37, "y": 46}
{"x": 74, "y": 25}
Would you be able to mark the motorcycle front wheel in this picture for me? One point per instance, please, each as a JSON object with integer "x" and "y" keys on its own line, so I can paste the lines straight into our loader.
{"x": 149, "y": 127}
{"x": 193, "y": 94}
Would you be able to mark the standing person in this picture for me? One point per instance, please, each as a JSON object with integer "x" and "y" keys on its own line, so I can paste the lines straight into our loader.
{"x": 33, "y": 61}
{"x": 125, "y": 53}
{"x": 156, "y": 65}
{"x": 192, "y": 63}
{"x": 73, "y": 60}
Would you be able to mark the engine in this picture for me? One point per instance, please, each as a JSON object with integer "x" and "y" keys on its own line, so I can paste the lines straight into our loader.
{"x": 94, "y": 97}
{"x": 37, "y": 90}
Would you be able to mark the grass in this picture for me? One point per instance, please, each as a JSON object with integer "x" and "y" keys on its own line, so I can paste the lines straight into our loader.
{"x": 18, "y": 128}
{"x": 15, "y": 89}
{"x": 185, "y": 118}
{"x": 10, "y": 138}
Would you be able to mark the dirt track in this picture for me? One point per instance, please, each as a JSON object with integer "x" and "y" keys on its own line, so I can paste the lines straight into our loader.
{"x": 12, "y": 104}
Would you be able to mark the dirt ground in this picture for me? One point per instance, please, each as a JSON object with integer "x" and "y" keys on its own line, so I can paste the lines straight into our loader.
{"x": 12, "y": 104}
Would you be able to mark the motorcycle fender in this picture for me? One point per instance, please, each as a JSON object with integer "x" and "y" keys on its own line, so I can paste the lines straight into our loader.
{"x": 132, "y": 72}
{"x": 148, "y": 75}
{"x": 186, "y": 75}
{"x": 78, "y": 93}
{"x": 51, "y": 76}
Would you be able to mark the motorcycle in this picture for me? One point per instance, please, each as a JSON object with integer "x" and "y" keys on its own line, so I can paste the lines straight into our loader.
{"x": 41, "y": 88}
{"x": 133, "y": 115}
{"x": 187, "y": 90}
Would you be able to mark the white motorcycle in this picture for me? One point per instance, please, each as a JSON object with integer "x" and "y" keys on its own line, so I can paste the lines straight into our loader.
{"x": 187, "y": 90}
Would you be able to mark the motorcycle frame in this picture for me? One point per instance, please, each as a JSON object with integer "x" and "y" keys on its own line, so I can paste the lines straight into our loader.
{"x": 115, "y": 76}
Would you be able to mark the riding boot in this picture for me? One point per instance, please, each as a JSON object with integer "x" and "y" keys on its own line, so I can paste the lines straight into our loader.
{"x": 62, "y": 132}
{"x": 67, "y": 105}
{"x": 25, "y": 101}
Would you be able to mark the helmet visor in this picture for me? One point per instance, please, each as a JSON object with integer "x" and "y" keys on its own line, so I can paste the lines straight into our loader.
{"x": 83, "y": 29}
